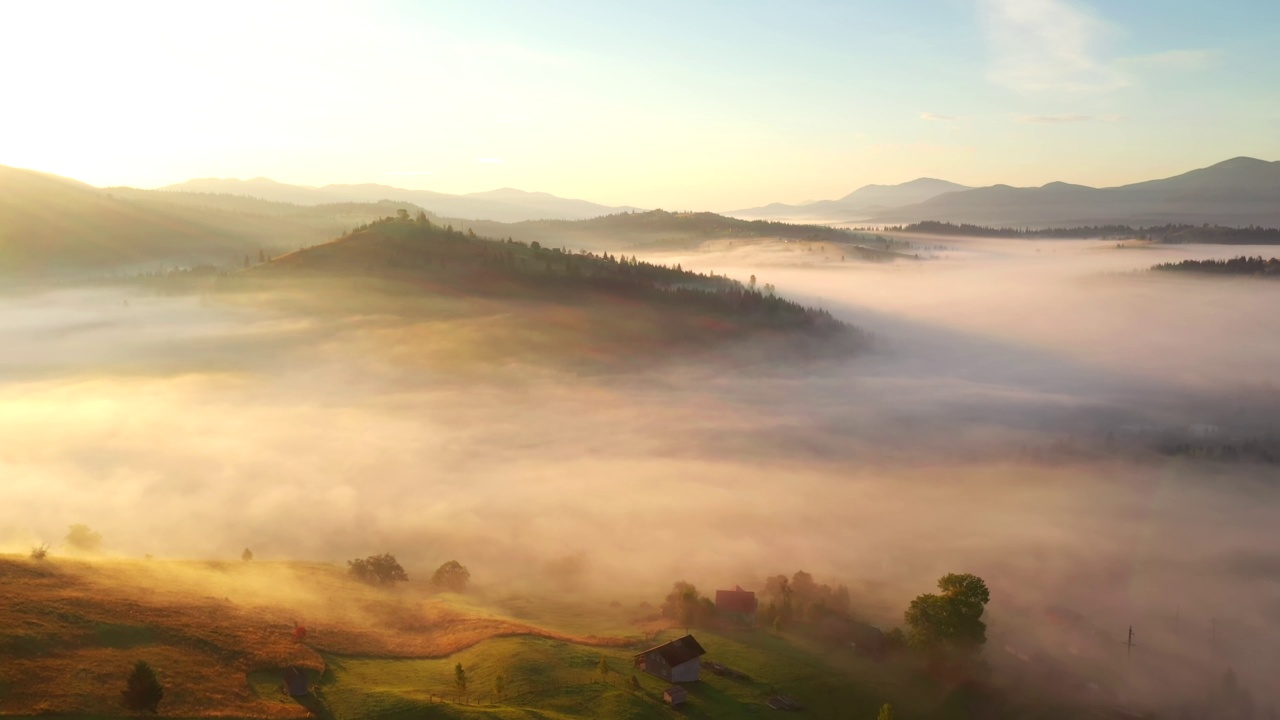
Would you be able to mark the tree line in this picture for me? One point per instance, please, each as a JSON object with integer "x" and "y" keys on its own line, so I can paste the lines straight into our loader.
{"x": 1254, "y": 266}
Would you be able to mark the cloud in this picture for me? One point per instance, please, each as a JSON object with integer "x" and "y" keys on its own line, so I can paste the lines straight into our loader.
{"x": 937, "y": 117}
{"x": 1055, "y": 119}
{"x": 489, "y": 160}
{"x": 1041, "y": 46}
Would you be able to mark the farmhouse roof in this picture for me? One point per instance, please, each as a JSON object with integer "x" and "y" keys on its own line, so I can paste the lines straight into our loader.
{"x": 678, "y": 651}
{"x": 736, "y": 600}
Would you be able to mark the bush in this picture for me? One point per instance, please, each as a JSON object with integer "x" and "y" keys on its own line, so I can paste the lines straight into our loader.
{"x": 452, "y": 576}
{"x": 143, "y": 691}
{"x": 247, "y": 555}
{"x": 40, "y": 551}
{"x": 377, "y": 570}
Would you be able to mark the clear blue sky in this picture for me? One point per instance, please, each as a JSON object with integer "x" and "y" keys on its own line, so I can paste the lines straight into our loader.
{"x": 713, "y": 105}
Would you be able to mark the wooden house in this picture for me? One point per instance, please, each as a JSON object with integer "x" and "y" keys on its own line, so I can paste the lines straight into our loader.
{"x": 677, "y": 661}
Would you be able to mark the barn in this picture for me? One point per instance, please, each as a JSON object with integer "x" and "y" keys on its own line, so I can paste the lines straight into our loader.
{"x": 677, "y": 661}
{"x": 736, "y": 602}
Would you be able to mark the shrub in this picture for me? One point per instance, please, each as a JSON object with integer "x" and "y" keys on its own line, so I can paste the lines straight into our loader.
{"x": 143, "y": 691}
{"x": 377, "y": 569}
{"x": 247, "y": 555}
{"x": 40, "y": 551}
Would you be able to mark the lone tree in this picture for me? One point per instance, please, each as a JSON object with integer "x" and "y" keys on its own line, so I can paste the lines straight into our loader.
{"x": 460, "y": 679}
{"x": 143, "y": 691}
{"x": 452, "y": 576}
{"x": 886, "y": 712}
{"x": 951, "y": 620}
{"x": 84, "y": 539}
{"x": 603, "y": 668}
{"x": 634, "y": 683}
{"x": 499, "y": 684}
{"x": 247, "y": 555}
{"x": 377, "y": 570}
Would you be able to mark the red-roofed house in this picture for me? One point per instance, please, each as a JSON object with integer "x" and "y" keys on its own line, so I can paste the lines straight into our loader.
{"x": 736, "y": 601}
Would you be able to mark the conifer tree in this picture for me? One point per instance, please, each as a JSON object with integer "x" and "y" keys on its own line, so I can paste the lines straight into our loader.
{"x": 143, "y": 691}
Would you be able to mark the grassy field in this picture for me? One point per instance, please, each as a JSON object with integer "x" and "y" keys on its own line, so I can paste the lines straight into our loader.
{"x": 70, "y": 630}
{"x": 547, "y": 678}
{"x": 220, "y": 634}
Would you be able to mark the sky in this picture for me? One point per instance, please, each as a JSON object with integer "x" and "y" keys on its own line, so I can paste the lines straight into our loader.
{"x": 679, "y": 105}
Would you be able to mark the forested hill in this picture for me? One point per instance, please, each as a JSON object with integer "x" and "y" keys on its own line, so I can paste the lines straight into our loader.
{"x": 1248, "y": 266}
{"x": 430, "y": 258}
{"x": 1171, "y": 234}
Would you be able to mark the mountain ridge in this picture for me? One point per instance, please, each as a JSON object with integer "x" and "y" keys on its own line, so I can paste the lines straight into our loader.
{"x": 500, "y": 205}
{"x": 862, "y": 201}
{"x": 1238, "y": 191}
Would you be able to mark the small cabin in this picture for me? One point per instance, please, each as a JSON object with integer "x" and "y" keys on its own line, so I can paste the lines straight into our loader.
{"x": 737, "y": 602}
{"x": 677, "y": 661}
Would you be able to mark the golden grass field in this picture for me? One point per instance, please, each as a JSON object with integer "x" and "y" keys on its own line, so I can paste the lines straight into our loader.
{"x": 70, "y": 631}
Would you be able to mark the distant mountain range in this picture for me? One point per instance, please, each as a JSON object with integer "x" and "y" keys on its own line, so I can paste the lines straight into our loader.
{"x": 1240, "y": 191}
{"x": 504, "y": 205}
{"x": 861, "y": 203}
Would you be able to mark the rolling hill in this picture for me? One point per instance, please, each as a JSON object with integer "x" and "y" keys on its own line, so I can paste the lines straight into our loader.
{"x": 504, "y": 205}
{"x": 860, "y": 203}
{"x": 1236, "y": 192}
{"x": 603, "y": 305}
{"x": 51, "y": 225}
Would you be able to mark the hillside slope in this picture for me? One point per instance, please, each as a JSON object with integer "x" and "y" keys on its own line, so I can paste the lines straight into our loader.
{"x": 51, "y": 225}
{"x": 71, "y": 629}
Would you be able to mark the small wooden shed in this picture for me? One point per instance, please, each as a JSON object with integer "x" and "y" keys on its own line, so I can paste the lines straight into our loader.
{"x": 675, "y": 695}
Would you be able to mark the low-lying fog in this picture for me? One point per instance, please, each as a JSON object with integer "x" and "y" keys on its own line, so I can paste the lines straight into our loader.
{"x": 194, "y": 427}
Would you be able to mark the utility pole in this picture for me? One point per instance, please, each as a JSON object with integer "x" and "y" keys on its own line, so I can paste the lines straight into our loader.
{"x": 1129, "y": 645}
